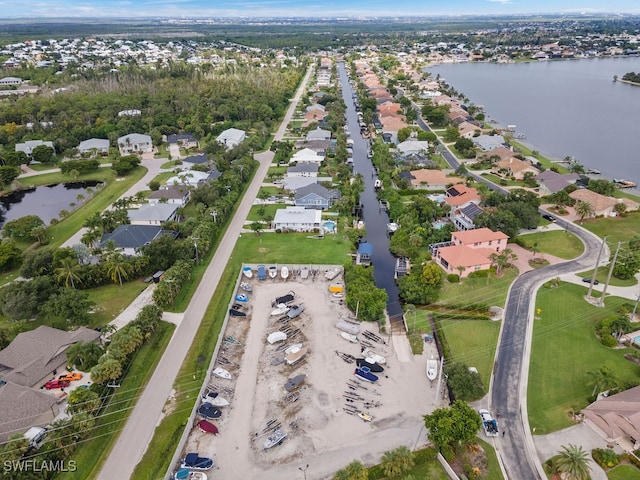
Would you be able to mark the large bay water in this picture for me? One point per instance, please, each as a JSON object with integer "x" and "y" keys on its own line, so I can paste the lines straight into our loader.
{"x": 565, "y": 108}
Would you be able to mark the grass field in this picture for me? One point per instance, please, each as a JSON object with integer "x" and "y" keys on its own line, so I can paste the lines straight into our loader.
{"x": 564, "y": 349}
{"x": 111, "y": 300}
{"x": 624, "y": 472}
{"x": 92, "y": 453}
{"x": 559, "y": 243}
{"x": 477, "y": 291}
{"x": 618, "y": 229}
{"x": 601, "y": 276}
{"x": 502, "y": 181}
{"x": 473, "y": 342}
{"x": 269, "y": 212}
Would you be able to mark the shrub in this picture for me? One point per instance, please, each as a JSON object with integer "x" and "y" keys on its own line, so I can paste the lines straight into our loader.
{"x": 425, "y": 455}
{"x": 608, "y": 340}
{"x": 453, "y": 278}
{"x": 605, "y": 457}
{"x": 154, "y": 185}
{"x": 448, "y": 453}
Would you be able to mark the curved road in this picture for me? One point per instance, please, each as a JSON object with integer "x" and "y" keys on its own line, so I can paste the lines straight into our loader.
{"x": 508, "y": 390}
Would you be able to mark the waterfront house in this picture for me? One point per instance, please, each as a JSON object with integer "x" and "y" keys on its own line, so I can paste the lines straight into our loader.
{"x": 514, "y": 167}
{"x": 412, "y": 146}
{"x": 316, "y": 196}
{"x": 28, "y": 146}
{"x": 174, "y": 194}
{"x": 468, "y": 130}
{"x": 232, "y": 137}
{"x": 602, "y": 205}
{"x": 318, "y": 134}
{"x": 94, "y": 147}
{"x": 552, "y": 182}
{"x": 306, "y": 155}
{"x": 297, "y": 219}
{"x": 463, "y": 218}
{"x": 303, "y": 169}
{"x": 154, "y": 214}
{"x": 489, "y": 142}
{"x": 135, "y": 143}
{"x": 432, "y": 179}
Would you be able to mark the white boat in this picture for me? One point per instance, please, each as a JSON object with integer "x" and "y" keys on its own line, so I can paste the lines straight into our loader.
{"x": 348, "y": 327}
{"x": 218, "y": 401}
{"x": 247, "y": 272}
{"x": 333, "y": 273}
{"x": 348, "y": 337}
{"x": 284, "y": 272}
{"x": 377, "y": 184}
{"x": 273, "y": 271}
{"x": 365, "y": 416}
{"x": 293, "y": 348}
{"x": 281, "y": 310}
{"x": 304, "y": 273}
{"x": 276, "y": 337}
{"x": 294, "y": 357}
{"x": 392, "y": 228}
{"x": 222, "y": 373}
{"x": 274, "y": 439}
{"x": 432, "y": 369}
{"x": 246, "y": 287}
{"x": 373, "y": 357}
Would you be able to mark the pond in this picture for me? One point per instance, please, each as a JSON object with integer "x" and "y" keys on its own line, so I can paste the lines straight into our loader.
{"x": 46, "y": 201}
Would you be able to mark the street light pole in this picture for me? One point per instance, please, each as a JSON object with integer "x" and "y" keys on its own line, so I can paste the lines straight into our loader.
{"x": 304, "y": 471}
{"x": 595, "y": 269}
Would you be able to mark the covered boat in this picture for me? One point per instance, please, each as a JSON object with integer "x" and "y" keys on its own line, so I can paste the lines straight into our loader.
{"x": 186, "y": 474}
{"x": 246, "y": 287}
{"x": 333, "y": 273}
{"x": 222, "y": 373}
{"x": 196, "y": 462}
{"x": 363, "y": 373}
{"x": 236, "y": 313}
{"x": 281, "y": 310}
{"x": 294, "y": 356}
{"x": 348, "y": 327}
{"x": 286, "y": 299}
{"x": 262, "y": 272}
{"x": 273, "y": 271}
{"x": 294, "y": 382}
{"x": 207, "y": 410}
{"x": 284, "y": 272}
{"x": 348, "y": 337}
{"x": 432, "y": 369}
{"x": 247, "y": 272}
{"x": 274, "y": 439}
{"x": 219, "y": 402}
{"x": 207, "y": 427}
{"x": 304, "y": 273}
{"x": 373, "y": 367}
{"x": 276, "y": 337}
{"x": 242, "y": 297}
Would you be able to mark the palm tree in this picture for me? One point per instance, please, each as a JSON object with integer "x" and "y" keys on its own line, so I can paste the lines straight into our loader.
{"x": 584, "y": 209}
{"x": 502, "y": 259}
{"x": 118, "y": 268}
{"x": 354, "y": 471}
{"x": 67, "y": 272}
{"x": 573, "y": 462}
{"x": 602, "y": 379}
{"x": 397, "y": 462}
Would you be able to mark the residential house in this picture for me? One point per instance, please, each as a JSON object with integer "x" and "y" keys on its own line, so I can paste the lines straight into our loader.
{"x": 413, "y": 147}
{"x": 463, "y": 218}
{"x": 154, "y": 214}
{"x": 34, "y": 356}
{"x": 303, "y": 169}
{"x": 193, "y": 160}
{"x": 470, "y": 251}
{"x": 616, "y": 418}
{"x": 306, "y": 155}
{"x": 232, "y": 137}
{"x": 602, "y": 205}
{"x": 135, "y": 143}
{"x": 297, "y": 219}
{"x": 28, "y": 146}
{"x": 318, "y": 134}
{"x": 497, "y": 154}
{"x": 7, "y": 81}
{"x": 432, "y": 179}
{"x": 93, "y": 147}
{"x": 174, "y": 194}
{"x": 292, "y": 184}
{"x": 193, "y": 178}
{"x": 468, "y": 130}
{"x": 183, "y": 140}
{"x": 489, "y": 142}
{"x": 415, "y": 160}
{"x": 321, "y": 147}
{"x": 24, "y": 407}
{"x": 552, "y": 182}
{"x": 316, "y": 196}
{"x": 313, "y": 116}
{"x": 514, "y": 167}
{"x": 130, "y": 238}
{"x": 463, "y": 201}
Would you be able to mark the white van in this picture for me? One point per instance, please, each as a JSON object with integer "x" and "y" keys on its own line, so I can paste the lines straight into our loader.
{"x": 35, "y": 435}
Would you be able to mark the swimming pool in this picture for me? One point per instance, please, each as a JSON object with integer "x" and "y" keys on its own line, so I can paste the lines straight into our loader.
{"x": 637, "y": 339}
{"x": 329, "y": 226}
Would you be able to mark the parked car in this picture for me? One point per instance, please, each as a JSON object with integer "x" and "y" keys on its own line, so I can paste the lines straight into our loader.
{"x": 57, "y": 383}
{"x": 551, "y": 218}
{"x": 71, "y": 376}
{"x": 489, "y": 424}
{"x": 588, "y": 280}
{"x": 195, "y": 462}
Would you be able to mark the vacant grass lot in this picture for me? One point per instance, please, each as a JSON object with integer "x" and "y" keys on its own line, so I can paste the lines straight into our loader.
{"x": 559, "y": 243}
{"x": 473, "y": 342}
{"x": 601, "y": 276}
{"x": 618, "y": 229}
{"x": 269, "y": 211}
{"x": 92, "y": 453}
{"x": 502, "y": 181}
{"x": 564, "y": 349}
{"x": 477, "y": 291}
{"x": 111, "y": 300}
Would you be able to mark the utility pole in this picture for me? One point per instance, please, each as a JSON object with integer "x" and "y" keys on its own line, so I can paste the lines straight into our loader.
{"x": 595, "y": 269}
{"x": 635, "y": 307}
{"x": 613, "y": 263}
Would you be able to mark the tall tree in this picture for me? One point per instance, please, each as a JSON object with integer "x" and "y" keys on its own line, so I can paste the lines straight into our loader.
{"x": 68, "y": 272}
{"x": 573, "y": 462}
{"x": 354, "y": 471}
{"x": 454, "y": 425}
{"x": 118, "y": 268}
{"x": 584, "y": 209}
{"x": 397, "y": 462}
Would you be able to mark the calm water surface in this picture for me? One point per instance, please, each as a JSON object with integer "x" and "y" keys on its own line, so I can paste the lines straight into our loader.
{"x": 565, "y": 108}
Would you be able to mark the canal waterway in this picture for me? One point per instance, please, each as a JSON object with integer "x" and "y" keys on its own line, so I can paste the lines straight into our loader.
{"x": 375, "y": 219}
{"x": 46, "y": 201}
{"x": 565, "y": 108}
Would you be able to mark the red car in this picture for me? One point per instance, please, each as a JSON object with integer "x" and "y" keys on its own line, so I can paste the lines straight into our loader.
{"x": 53, "y": 384}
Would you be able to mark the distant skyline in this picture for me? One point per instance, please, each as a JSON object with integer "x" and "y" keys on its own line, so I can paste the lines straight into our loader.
{"x": 302, "y": 8}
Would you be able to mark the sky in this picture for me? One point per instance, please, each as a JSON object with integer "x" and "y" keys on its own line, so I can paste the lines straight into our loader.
{"x": 301, "y": 8}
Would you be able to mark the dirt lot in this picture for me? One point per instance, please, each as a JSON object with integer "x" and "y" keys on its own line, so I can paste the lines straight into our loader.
{"x": 319, "y": 430}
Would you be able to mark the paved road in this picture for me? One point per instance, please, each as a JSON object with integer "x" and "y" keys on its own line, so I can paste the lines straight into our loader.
{"x": 138, "y": 432}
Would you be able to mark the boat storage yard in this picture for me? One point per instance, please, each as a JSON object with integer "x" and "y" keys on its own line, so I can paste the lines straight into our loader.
{"x": 329, "y": 416}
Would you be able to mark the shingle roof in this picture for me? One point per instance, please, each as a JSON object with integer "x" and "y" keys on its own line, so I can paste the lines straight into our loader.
{"x": 318, "y": 190}
{"x": 470, "y": 237}
{"x": 180, "y": 137}
{"x": 303, "y": 167}
{"x": 33, "y": 355}
{"x": 159, "y": 212}
{"x": 169, "y": 192}
{"x": 618, "y": 414}
{"x": 20, "y": 408}
{"x": 94, "y": 143}
{"x": 463, "y": 256}
{"x": 132, "y": 236}
{"x": 196, "y": 159}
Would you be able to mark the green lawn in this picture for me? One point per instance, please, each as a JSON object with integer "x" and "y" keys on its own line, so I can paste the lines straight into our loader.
{"x": 559, "y": 243}
{"x": 544, "y": 161}
{"x": 477, "y": 292}
{"x": 564, "y": 349}
{"x": 617, "y": 229}
{"x": 292, "y": 247}
{"x": 111, "y": 300}
{"x": 101, "y": 175}
{"x": 502, "y": 181}
{"x": 601, "y": 276}
{"x": 473, "y": 342}
{"x": 624, "y": 472}
{"x": 92, "y": 453}
{"x": 270, "y": 191}
{"x": 269, "y": 211}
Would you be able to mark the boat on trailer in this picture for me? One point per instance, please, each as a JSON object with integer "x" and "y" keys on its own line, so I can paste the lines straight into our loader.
{"x": 432, "y": 369}
{"x": 247, "y": 272}
{"x": 222, "y": 373}
{"x": 284, "y": 272}
{"x": 273, "y": 271}
{"x": 348, "y": 337}
{"x": 276, "y": 438}
{"x": 363, "y": 373}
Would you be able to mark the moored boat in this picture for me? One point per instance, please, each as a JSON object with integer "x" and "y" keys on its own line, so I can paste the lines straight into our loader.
{"x": 247, "y": 272}
{"x": 222, "y": 373}
{"x": 432, "y": 369}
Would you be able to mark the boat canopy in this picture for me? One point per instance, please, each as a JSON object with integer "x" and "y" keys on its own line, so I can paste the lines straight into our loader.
{"x": 207, "y": 427}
